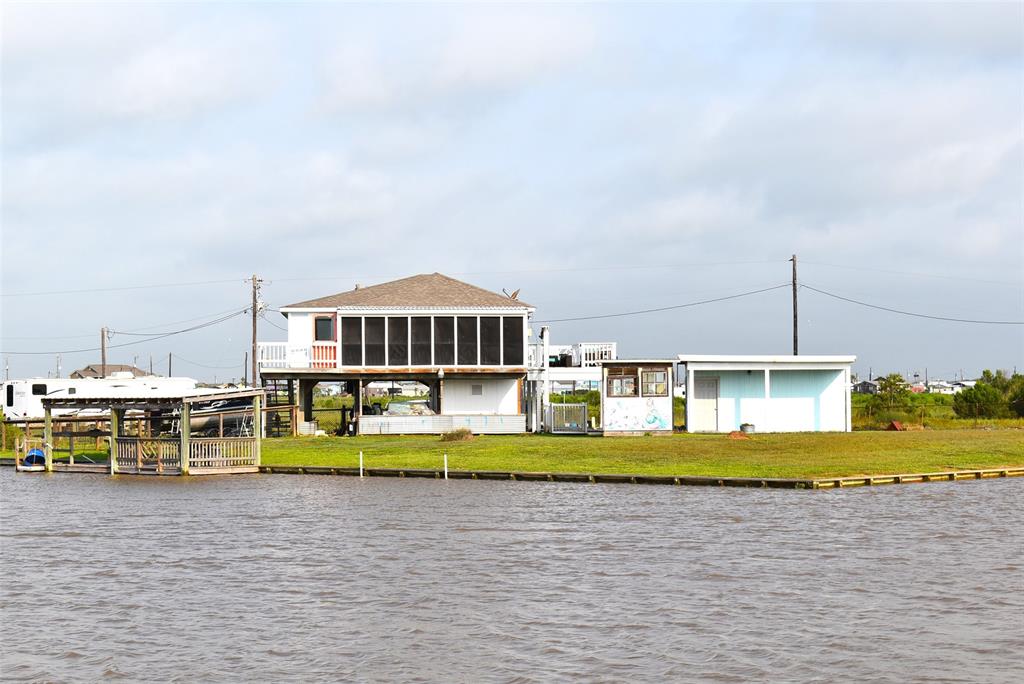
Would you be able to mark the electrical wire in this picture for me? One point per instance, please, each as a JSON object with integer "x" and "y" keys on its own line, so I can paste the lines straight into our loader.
{"x": 908, "y": 313}
{"x": 267, "y": 320}
{"x": 158, "y": 336}
{"x": 909, "y": 273}
{"x": 234, "y": 313}
{"x": 204, "y": 365}
{"x": 123, "y": 288}
{"x": 666, "y": 308}
{"x": 93, "y": 334}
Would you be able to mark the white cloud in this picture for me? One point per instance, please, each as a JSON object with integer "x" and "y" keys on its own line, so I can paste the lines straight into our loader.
{"x": 477, "y": 50}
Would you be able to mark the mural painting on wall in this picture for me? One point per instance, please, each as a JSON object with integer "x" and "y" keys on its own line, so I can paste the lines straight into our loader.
{"x": 631, "y": 414}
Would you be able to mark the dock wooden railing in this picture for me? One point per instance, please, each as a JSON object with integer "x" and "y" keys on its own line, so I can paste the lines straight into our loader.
{"x": 138, "y": 454}
{"x": 222, "y": 452}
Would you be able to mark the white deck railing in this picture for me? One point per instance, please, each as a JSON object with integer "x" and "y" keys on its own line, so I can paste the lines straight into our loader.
{"x": 285, "y": 355}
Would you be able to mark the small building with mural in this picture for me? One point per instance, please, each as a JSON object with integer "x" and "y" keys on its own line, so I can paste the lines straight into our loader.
{"x": 636, "y": 396}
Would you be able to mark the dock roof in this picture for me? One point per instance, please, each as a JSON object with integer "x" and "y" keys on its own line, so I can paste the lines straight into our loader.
{"x": 424, "y": 290}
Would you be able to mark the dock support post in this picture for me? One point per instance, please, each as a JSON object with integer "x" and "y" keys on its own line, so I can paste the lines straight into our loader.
{"x": 257, "y": 427}
{"x": 48, "y": 438}
{"x": 446, "y": 465}
{"x": 115, "y": 431}
{"x": 360, "y": 464}
{"x": 186, "y": 434}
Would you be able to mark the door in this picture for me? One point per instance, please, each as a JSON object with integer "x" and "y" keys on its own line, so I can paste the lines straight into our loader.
{"x": 703, "y": 413}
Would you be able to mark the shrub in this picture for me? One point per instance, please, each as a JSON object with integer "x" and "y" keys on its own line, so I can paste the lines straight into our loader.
{"x": 458, "y": 435}
{"x": 980, "y": 401}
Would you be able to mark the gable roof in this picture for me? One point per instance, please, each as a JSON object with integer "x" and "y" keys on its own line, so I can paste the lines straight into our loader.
{"x": 95, "y": 370}
{"x": 425, "y": 290}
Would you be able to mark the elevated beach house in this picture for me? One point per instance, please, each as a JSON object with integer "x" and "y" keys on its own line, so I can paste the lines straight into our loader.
{"x": 465, "y": 345}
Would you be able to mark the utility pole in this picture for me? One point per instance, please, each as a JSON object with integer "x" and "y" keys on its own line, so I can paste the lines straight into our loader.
{"x": 58, "y": 365}
{"x": 103, "y": 352}
{"x": 245, "y": 369}
{"x": 796, "y": 337}
{"x": 169, "y": 373}
{"x": 256, "y": 281}
{"x": 150, "y": 364}
{"x": 7, "y": 368}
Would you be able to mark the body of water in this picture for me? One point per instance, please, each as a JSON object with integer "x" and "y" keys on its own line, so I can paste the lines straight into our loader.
{"x": 303, "y": 578}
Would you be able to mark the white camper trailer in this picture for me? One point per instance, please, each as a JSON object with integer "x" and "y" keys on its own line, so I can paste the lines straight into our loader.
{"x": 22, "y": 399}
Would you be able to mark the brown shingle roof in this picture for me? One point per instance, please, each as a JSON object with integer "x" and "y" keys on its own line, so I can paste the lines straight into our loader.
{"x": 426, "y": 290}
{"x": 95, "y": 370}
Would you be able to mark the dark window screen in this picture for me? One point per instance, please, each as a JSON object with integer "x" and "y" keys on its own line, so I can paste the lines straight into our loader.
{"x": 421, "y": 341}
{"x": 398, "y": 341}
{"x": 444, "y": 340}
{"x": 351, "y": 341}
{"x": 324, "y": 329}
{"x": 490, "y": 341}
{"x": 374, "y": 341}
{"x": 467, "y": 341}
{"x": 512, "y": 345}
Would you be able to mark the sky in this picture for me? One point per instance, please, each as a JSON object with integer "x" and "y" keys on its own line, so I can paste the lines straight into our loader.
{"x": 601, "y": 158}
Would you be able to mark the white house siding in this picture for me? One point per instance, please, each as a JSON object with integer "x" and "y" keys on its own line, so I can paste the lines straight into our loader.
{"x": 740, "y": 398}
{"x": 499, "y": 396}
{"x": 805, "y": 400}
{"x": 799, "y": 400}
{"x": 300, "y": 329}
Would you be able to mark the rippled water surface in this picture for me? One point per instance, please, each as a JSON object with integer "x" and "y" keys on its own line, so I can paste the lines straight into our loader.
{"x": 303, "y": 578}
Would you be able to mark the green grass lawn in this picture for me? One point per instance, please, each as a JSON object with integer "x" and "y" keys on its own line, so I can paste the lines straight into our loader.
{"x": 802, "y": 455}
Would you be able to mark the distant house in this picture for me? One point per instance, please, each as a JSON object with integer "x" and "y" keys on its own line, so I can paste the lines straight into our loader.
{"x": 941, "y": 387}
{"x": 96, "y": 370}
{"x": 866, "y": 387}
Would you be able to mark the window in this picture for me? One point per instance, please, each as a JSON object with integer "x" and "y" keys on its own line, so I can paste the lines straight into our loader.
{"x": 444, "y": 340}
{"x": 512, "y": 343}
{"x": 323, "y": 330}
{"x": 398, "y": 341}
{"x": 10, "y": 395}
{"x": 39, "y": 389}
{"x": 351, "y": 341}
{"x": 622, "y": 382}
{"x": 421, "y": 340}
{"x": 655, "y": 383}
{"x": 476, "y": 390}
{"x": 374, "y": 343}
{"x": 72, "y": 390}
{"x": 490, "y": 341}
{"x": 467, "y": 341}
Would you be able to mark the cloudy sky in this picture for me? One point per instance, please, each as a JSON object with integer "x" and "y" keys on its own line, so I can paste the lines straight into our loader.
{"x": 602, "y": 158}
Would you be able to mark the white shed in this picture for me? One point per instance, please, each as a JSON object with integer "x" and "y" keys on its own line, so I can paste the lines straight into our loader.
{"x": 772, "y": 393}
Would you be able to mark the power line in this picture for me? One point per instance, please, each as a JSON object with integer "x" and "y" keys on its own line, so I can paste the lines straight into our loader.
{"x": 204, "y": 365}
{"x": 909, "y": 313}
{"x": 121, "y": 289}
{"x": 150, "y": 327}
{"x": 666, "y": 308}
{"x": 267, "y": 320}
{"x": 234, "y": 313}
{"x": 909, "y": 273}
{"x": 359, "y": 277}
{"x": 152, "y": 338}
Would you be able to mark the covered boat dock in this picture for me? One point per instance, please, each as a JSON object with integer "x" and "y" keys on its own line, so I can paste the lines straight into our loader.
{"x": 174, "y": 451}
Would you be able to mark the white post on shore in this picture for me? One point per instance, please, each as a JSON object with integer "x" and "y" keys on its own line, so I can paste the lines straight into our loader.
{"x": 446, "y": 465}
{"x": 360, "y": 464}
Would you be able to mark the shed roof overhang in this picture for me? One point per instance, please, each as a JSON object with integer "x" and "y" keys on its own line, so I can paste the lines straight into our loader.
{"x": 637, "y": 362}
{"x": 764, "y": 362}
{"x": 126, "y": 401}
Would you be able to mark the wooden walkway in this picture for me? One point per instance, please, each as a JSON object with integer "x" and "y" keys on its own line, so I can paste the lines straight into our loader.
{"x": 679, "y": 480}
{"x": 599, "y": 478}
